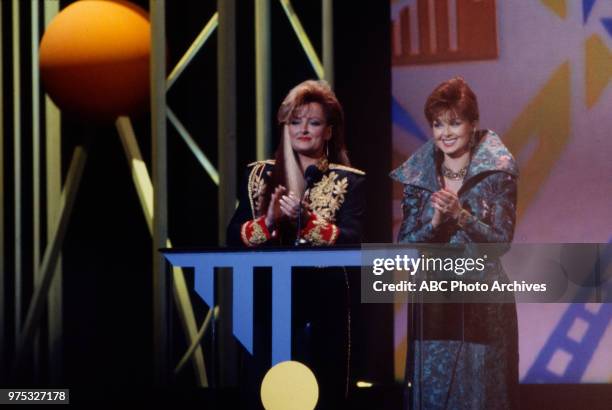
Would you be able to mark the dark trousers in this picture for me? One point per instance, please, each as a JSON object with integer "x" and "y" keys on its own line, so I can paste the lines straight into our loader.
{"x": 321, "y": 330}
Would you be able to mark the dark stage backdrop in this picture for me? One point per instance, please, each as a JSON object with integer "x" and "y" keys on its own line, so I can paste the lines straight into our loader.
{"x": 107, "y": 253}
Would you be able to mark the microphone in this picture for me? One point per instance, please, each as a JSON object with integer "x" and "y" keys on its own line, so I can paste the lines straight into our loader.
{"x": 311, "y": 176}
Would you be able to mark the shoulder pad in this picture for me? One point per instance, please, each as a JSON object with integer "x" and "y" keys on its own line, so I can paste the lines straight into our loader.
{"x": 265, "y": 161}
{"x": 345, "y": 168}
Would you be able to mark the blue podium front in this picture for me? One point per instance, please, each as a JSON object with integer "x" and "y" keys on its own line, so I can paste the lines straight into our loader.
{"x": 242, "y": 262}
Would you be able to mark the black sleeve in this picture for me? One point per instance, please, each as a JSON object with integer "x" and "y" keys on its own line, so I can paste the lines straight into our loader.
{"x": 242, "y": 214}
{"x": 350, "y": 216}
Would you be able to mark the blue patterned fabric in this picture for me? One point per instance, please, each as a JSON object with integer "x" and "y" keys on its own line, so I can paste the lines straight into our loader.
{"x": 462, "y": 356}
{"x": 488, "y": 194}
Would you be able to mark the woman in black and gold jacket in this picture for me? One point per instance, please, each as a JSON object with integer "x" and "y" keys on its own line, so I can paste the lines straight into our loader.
{"x": 269, "y": 214}
{"x": 311, "y": 121}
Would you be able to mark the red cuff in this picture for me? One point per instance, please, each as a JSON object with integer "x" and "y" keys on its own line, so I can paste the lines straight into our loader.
{"x": 255, "y": 232}
{"x": 320, "y": 232}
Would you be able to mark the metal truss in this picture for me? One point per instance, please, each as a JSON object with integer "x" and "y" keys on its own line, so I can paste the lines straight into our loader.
{"x": 152, "y": 191}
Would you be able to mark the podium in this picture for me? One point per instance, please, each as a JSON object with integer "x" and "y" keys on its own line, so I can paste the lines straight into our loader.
{"x": 242, "y": 263}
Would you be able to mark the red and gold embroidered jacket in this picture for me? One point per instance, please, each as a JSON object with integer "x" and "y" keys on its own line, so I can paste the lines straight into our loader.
{"x": 336, "y": 205}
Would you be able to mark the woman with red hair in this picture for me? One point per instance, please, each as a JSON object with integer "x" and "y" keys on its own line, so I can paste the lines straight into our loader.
{"x": 460, "y": 188}
{"x": 311, "y": 121}
{"x": 311, "y": 166}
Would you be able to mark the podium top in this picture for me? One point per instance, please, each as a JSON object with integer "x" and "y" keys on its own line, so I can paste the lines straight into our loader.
{"x": 172, "y": 251}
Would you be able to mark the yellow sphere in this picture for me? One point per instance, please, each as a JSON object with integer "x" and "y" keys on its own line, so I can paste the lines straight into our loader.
{"x": 94, "y": 59}
{"x": 289, "y": 385}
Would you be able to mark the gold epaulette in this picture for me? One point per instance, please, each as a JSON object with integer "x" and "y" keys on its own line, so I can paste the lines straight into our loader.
{"x": 265, "y": 161}
{"x": 345, "y": 168}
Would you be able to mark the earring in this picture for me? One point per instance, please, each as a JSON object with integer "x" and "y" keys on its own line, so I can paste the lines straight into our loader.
{"x": 327, "y": 149}
{"x": 473, "y": 139}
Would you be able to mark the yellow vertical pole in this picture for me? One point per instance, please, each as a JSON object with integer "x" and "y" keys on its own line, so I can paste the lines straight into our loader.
{"x": 17, "y": 239}
{"x": 36, "y": 203}
{"x": 227, "y": 113}
{"x": 160, "y": 230}
{"x": 35, "y": 137}
{"x": 53, "y": 154}
{"x": 328, "y": 40}
{"x": 263, "y": 87}
{"x": 226, "y": 69}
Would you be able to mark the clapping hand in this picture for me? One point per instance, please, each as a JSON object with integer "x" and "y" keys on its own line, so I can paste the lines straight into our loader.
{"x": 446, "y": 206}
{"x": 290, "y": 206}
{"x": 283, "y": 205}
{"x": 274, "y": 210}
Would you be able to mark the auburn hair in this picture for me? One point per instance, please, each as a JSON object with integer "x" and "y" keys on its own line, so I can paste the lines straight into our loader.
{"x": 286, "y": 170}
{"x": 453, "y": 95}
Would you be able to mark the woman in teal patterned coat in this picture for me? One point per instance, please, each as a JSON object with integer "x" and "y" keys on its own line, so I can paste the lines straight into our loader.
{"x": 460, "y": 187}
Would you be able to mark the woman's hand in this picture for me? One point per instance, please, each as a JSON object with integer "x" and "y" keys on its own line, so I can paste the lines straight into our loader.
{"x": 446, "y": 205}
{"x": 290, "y": 206}
{"x": 274, "y": 209}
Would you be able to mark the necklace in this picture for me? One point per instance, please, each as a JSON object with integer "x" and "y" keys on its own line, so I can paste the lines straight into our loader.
{"x": 452, "y": 175}
{"x": 322, "y": 164}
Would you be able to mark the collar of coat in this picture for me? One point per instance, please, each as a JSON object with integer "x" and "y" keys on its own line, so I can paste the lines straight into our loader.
{"x": 326, "y": 167}
{"x": 490, "y": 155}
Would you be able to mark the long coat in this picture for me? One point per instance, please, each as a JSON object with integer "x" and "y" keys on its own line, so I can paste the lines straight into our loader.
{"x": 463, "y": 356}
